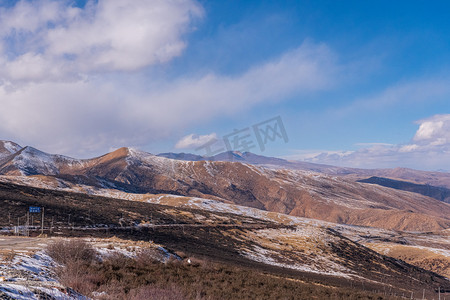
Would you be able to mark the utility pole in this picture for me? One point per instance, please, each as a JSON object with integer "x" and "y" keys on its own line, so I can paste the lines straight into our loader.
{"x": 42, "y": 223}
{"x": 28, "y": 224}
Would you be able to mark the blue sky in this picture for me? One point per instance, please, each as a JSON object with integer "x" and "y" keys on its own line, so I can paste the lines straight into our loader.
{"x": 356, "y": 83}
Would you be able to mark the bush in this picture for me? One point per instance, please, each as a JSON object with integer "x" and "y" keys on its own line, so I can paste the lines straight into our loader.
{"x": 72, "y": 251}
{"x": 75, "y": 258}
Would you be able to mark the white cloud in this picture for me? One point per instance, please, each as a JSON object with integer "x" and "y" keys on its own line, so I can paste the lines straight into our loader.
{"x": 92, "y": 114}
{"x": 408, "y": 148}
{"x": 192, "y": 141}
{"x": 27, "y": 17}
{"x": 66, "y": 85}
{"x": 54, "y": 39}
{"x": 125, "y": 35}
{"x": 427, "y": 130}
{"x": 429, "y": 149}
{"x": 434, "y": 130}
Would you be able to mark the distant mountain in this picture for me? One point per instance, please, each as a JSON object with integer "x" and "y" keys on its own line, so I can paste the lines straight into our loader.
{"x": 439, "y": 193}
{"x": 250, "y": 158}
{"x": 182, "y": 156}
{"x": 438, "y": 179}
{"x": 236, "y": 156}
{"x": 262, "y": 184}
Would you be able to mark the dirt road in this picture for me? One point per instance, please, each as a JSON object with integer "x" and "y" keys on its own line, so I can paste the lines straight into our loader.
{"x": 20, "y": 244}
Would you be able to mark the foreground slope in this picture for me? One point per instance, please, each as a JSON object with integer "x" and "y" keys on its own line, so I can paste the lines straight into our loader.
{"x": 303, "y": 249}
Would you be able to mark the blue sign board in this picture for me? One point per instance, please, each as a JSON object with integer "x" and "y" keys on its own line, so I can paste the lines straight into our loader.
{"x": 34, "y": 209}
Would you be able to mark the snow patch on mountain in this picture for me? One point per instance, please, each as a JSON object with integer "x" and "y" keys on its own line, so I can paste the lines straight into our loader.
{"x": 140, "y": 157}
{"x": 308, "y": 238}
{"x": 11, "y": 147}
{"x": 31, "y": 161}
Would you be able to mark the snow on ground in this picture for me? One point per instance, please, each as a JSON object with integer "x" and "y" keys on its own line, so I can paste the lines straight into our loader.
{"x": 437, "y": 242}
{"x": 27, "y": 274}
{"x": 10, "y": 147}
{"x": 304, "y": 249}
{"x": 111, "y": 246}
{"x": 218, "y": 206}
{"x": 28, "y": 277}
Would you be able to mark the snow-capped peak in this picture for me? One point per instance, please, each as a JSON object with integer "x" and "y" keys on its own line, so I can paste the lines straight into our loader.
{"x": 8, "y": 147}
{"x": 33, "y": 161}
{"x": 136, "y": 152}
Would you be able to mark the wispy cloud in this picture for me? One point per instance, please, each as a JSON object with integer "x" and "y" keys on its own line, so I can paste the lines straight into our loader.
{"x": 429, "y": 149}
{"x": 405, "y": 93}
{"x": 193, "y": 141}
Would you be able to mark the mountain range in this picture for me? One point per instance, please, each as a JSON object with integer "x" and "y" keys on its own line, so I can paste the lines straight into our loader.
{"x": 438, "y": 179}
{"x": 294, "y": 188}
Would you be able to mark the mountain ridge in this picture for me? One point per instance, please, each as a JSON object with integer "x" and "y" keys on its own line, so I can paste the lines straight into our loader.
{"x": 435, "y": 178}
{"x": 273, "y": 188}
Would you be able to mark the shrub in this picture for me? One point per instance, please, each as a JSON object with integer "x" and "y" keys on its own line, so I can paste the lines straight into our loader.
{"x": 75, "y": 257}
{"x": 71, "y": 251}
